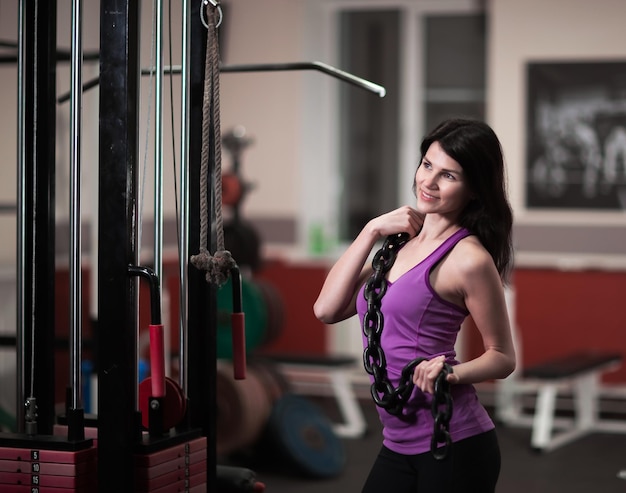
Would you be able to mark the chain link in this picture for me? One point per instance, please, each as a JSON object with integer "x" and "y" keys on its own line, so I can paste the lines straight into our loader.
{"x": 384, "y": 394}
{"x": 441, "y": 411}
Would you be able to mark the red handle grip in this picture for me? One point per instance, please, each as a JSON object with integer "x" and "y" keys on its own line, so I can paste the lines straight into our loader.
{"x": 157, "y": 361}
{"x": 238, "y": 330}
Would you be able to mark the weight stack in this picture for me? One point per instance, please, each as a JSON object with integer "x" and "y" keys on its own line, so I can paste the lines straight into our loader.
{"x": 179, "y": 468}
{"x": 35, "y": 470}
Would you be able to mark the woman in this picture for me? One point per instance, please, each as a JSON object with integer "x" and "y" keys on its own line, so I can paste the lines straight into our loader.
{"x": 451, "y": 262}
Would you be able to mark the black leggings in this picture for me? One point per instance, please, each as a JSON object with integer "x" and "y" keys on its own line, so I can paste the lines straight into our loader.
{"x": 471, "y": 466}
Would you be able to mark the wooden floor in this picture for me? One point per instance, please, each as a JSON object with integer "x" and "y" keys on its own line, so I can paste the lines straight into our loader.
{"x": 588, "y": 465}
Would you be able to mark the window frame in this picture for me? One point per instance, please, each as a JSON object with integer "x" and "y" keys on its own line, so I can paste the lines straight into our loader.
{"x": 319, "y": 161}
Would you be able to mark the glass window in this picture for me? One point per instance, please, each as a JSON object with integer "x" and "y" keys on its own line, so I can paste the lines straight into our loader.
{"x": 368, "y": 125}
{"x": 454, "y": 71}
{"x": 449, "y": 79}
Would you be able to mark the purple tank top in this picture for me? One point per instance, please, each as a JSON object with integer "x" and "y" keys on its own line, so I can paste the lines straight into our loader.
{"x": 419, "y": 323}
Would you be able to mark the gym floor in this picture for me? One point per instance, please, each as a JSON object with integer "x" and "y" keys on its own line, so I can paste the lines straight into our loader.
{"x": 588, "y": 465}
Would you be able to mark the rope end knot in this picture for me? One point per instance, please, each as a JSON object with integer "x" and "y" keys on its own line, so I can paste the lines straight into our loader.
{"x": 217, "y": 266}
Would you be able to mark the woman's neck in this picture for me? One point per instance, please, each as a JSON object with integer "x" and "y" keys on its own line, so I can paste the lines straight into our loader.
{"x": 438, "y": 227}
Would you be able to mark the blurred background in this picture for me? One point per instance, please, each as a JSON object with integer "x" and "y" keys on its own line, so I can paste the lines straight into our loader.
{"x": 312, "y": 158}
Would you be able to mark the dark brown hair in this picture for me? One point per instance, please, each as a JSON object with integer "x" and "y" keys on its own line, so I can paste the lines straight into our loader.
{"x": 475, "y": 146}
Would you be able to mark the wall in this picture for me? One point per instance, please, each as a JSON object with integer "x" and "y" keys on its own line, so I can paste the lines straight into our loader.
{"x": 272, "y": 107}
{"x": 8, "y": 133}
{"x": 554, "y": 30}
{"x": 570, "y": 265}
{"x": 562, "y": 312}
{"x": 267, "y": 104}
{"x": 559, "y": 313}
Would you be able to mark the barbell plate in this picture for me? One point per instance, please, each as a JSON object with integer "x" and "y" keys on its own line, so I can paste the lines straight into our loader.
{"x": 243, "y": 407}
{"x": 275, "y": 383}
{"x": 303, "y": 437}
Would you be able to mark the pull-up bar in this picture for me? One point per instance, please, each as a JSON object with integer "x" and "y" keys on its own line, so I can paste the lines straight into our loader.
{"x": 273, "y": 67}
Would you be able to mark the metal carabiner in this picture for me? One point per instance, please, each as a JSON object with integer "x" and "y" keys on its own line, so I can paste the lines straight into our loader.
{"x": 215, "y": 4}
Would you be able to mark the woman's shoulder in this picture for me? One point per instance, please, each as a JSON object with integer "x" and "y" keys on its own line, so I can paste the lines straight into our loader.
{"x": 470, "y": 257}
{"x": 467, "y": 268}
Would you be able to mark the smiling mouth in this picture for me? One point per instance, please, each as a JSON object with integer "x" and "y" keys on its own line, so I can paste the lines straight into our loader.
{"x": 427, "y": 195}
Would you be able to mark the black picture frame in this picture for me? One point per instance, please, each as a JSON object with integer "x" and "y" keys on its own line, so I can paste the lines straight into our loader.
{"x": 576, "y": 136}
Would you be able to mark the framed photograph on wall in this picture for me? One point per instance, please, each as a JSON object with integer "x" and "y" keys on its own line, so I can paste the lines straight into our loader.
{"x": 576, "y": 136}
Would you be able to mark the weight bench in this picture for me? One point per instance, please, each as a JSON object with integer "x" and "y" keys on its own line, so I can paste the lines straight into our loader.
{"x": 578, "y": 373}
{"x": 311, "y": 375}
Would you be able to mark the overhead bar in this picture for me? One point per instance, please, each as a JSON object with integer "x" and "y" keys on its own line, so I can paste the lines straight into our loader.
{"x": 272, "y": 67}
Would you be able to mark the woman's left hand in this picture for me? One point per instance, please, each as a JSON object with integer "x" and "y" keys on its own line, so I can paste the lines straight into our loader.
{"x": 426, "y": 373}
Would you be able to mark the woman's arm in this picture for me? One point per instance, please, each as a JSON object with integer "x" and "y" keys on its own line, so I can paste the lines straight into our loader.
{"x": 336, "y": 301}
{"x": 483, "y": 294}
{"x": 486, "y": 303}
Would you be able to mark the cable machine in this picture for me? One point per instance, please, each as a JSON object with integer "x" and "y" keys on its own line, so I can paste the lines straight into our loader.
{"x": 121, "y": 436}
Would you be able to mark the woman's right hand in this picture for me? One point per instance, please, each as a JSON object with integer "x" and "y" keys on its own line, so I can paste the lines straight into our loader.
{"x": 405, "y": 219}
{"x": 337, "y": 298}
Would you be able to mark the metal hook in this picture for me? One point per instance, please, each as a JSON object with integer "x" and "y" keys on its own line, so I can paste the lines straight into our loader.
{"x": 215, "y": 4}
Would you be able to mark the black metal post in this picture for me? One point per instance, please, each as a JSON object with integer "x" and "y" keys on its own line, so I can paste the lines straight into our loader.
{"x": 202, "y": 297}
{"x": 38, "y": 306}
{"x": 118, "y": 425}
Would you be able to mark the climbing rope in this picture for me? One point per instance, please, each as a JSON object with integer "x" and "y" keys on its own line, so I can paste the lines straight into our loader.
{"x": 218, "y": 265}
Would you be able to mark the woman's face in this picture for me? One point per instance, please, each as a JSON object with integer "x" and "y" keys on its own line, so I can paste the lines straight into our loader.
{"x": 440, "y": 185}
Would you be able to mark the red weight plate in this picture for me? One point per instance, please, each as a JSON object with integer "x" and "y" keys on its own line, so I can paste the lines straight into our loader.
{"x": 46, "y": 479}
{"x": 197, "y": 471}
{"x": 27, "y": 488}
{"x": 52, "y": 468}
{"x": 149, "y": 473}
{"x": 174, "y": 403}
{"x": 28, "y": 455}
{"x": 181, "y": 450}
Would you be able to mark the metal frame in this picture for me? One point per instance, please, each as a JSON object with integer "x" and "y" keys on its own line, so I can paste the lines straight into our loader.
{"x": 36, "y": 215}
{"x": 118, "y": 422}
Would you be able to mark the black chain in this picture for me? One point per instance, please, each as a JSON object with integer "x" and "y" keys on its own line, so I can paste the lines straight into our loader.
{"x": 383, "y": 392}
{"x": 442, "y": 413}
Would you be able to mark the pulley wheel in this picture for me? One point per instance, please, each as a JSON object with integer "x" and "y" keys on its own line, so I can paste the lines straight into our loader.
{"x": 302, "y": 436}
{"x": 174, "y": 405}
{"x": 255, "y": 317}
{"x": 243, "y": 408}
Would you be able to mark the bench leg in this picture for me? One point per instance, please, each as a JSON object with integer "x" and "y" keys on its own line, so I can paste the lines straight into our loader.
{"x": 585, "y": 389}
{"x": 586, "y": 401}
{"x": 543, "y": 420}
{"x": 507, "y": 401}
{"x": 354, "y": 424}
